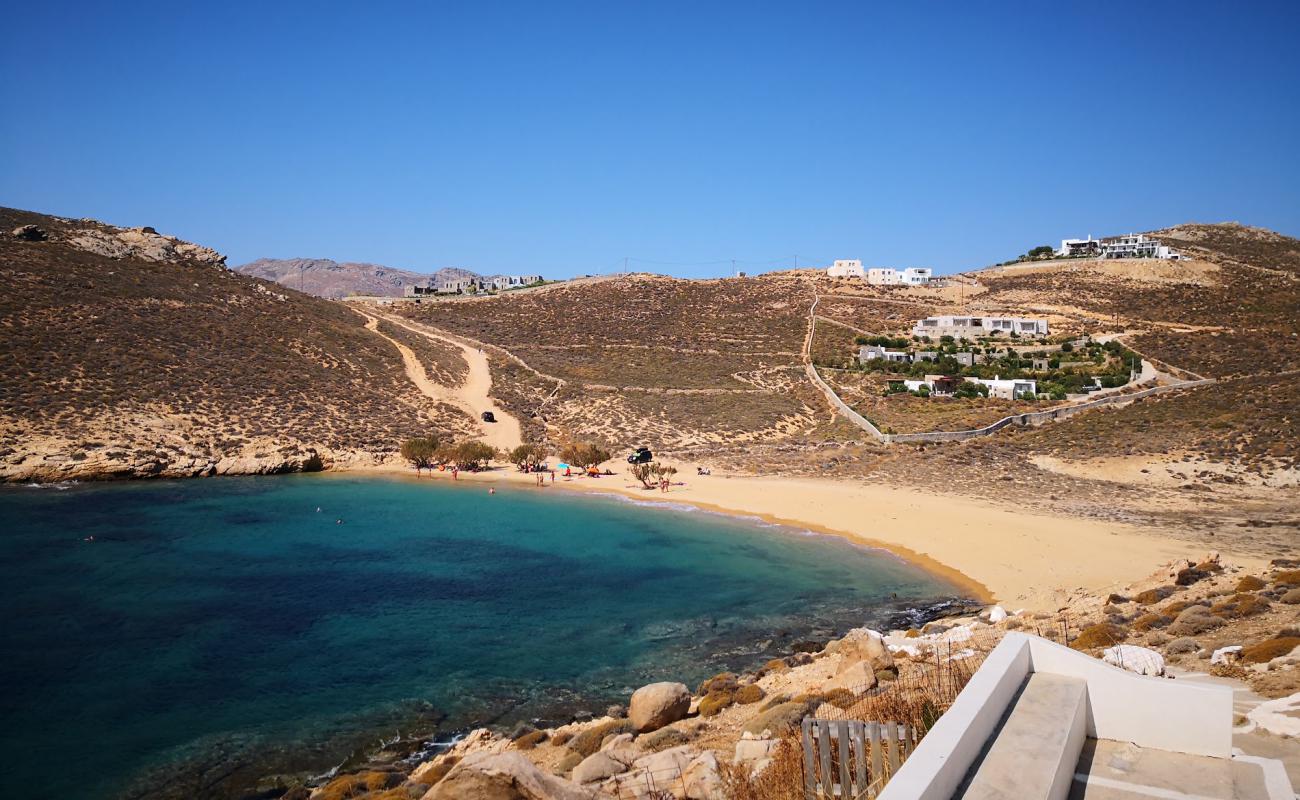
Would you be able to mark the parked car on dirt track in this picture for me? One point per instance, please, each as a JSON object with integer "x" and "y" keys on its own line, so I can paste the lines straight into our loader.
{"x": 488, "y": 416}
{"x": 641, "y": 455}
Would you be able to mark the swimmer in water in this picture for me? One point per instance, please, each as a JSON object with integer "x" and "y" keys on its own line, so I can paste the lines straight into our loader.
{"x": 317, "y": 509}
{"x": 492, "y": 490}
{"x": 338, "y": 521}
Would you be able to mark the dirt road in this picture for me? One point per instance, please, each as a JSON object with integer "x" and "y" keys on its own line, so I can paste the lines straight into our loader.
{"x": 472, "y": 396}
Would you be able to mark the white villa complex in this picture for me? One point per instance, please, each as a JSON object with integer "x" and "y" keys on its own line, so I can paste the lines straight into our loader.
{"x": 974, "y": 327}
{"x": 887, "y": 276}
{"x": 879, "y": 276}
{"x": 1134, "y": 245}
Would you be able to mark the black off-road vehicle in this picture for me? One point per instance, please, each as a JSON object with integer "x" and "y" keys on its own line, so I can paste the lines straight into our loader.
{"x": 641, "y": 455}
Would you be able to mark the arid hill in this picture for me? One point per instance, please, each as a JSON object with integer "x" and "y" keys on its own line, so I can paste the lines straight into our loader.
{"x": 125, "y": 352}
{"x": 325, "y": 278}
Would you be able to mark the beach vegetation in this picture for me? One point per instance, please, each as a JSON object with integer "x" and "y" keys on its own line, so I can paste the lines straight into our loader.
{"x": 530, "y": 740}
{"x": 1290, "y": 577}
{"x": 1148, "y": 622}
{"x": 420, "y": 451}
{"x": 470, "y": 455}
{"x": 663, "y": 739}
{"x": 1103, "y": 634}
{"x": 527, "y": 456}
{"x": 584, "y": 454}
{"x": 589, "y": 741}
{"x": 715, "y": 701}
{"x": 1269, "y": 649}
{"x": 1152, "y": 596}
{"x": 1250, "y": 583}
{"x": 749, "y": 693}
{"x": 358, "y": 785}
{"x": 782, "y": 779}
{"x": 652, "y": 474}
{"x": 723, "y": 681}
{"x": 1240, "y": 605}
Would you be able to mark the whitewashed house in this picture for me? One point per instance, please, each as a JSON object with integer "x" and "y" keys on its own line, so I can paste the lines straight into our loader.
{"x": 870, "y": 351}
{"x": 1137, "y": 245}
{"x": 1072, "y": 248}
{"x": 974, "y": 327}
{"x": 888, "y": 276}
{"x": 845, "y": 268}
{"x": 1007, "y": 388}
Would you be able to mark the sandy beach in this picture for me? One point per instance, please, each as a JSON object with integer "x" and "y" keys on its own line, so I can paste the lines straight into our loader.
{"x": 1011, "y": 556}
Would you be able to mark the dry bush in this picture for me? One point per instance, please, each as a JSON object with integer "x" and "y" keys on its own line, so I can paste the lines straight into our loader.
{"x": 1290, "y": 577}
{"x": 1269, "y": 650}
{"x": 588, "y": 742}
{"x": 1249, "y": 583}
{"x": 1103, "y": 634}
{"x": 1240, "y": 605}
{"x": 782, "y": 780}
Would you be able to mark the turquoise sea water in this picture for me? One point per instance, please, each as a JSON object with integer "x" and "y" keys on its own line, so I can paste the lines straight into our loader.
{"x": 217, "y": 630}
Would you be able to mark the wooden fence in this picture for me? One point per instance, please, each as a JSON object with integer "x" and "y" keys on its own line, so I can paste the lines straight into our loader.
{"x": 849, "y": 759}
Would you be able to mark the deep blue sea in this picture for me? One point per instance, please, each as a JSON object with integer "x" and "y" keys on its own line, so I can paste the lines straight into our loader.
{"x": 197, "y": 635}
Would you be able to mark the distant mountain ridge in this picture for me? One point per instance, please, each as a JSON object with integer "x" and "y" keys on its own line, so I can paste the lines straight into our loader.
{"x": 325, "y": 277}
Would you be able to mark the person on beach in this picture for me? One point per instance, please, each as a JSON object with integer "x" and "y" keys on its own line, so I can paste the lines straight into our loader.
{"x": 455, "y": 473}
{"x": 552, "y": 476}
{"x": 492, "y": 490}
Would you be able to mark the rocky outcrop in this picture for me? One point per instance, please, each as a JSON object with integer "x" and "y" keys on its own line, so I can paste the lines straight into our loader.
{"x": 658, "y": 704}
{"x": 110, "y": 462}
{"x": 144, "y": 243}
{"x": 30, "y": 233}
{"x": 503, "y": 776}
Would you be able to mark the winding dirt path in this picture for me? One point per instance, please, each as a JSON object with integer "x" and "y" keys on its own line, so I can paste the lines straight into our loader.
{"x": 472, "y": 396}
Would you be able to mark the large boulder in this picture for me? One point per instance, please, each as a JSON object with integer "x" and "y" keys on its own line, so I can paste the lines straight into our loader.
{"x": 778, "y": 719}
{"x": 701, "y": 779}
{"x": 658, "y": 704}
{"x": 30, "y": 233}
{"x": 598, "y": 766}
{"x": 864, "y": 644}
{"x": 856, "y": 677}
{"x": 503, "y": 776}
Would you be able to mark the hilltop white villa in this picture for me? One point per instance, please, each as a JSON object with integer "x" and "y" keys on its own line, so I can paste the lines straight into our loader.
{"x": 846, "y": 268}
{"x": 887, "y": 276}
{"x": 879, "y": 276}
{"x": 1134, "y": 245}
{"x": 974, "y": 327}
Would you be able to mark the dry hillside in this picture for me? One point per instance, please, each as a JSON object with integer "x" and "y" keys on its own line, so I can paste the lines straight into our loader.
{"x": 127, "y": 352}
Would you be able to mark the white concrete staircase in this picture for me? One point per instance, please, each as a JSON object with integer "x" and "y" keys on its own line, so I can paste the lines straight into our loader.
{"x": 1039, "y": 721}
{"x": 1034, "y": 751}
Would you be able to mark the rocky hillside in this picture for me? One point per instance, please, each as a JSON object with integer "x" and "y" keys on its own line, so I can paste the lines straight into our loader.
{"x": 325, "y": 278}
{"x": 127, "y": 352}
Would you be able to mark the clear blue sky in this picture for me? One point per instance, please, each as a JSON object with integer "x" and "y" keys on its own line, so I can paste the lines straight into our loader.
{"x": 561, "y": 137}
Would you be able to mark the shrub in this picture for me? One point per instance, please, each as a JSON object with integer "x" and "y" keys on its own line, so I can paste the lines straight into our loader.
{"x": 750, "y": 693}
{"x": 570, "y": 760}
{"x": 358, "y": 785}
{"x": 1292, "y": 597}
{"x": 776, "y": 665}
{"x": 530, "y": 740}
{"x": 1186, "y": 577}
{"x": 663, "y": 739}
{"x": 1290, "y": 577}
{"x": 782, "y": 779}
{"x": 1185, "y": 644}
{"x": 1151, "y": 596}
{"x": 1103, "y": 634}
{"x": 722, "y": 682}
{"x": 1240, "y": 605}
{"x": 589, "y": 741}
{"x": 1268, "y": 650}
{"x": 1249, "y": 583}
{"x": 1193, "y": 621}
{"x": 1175, "y": 608}
{"x": 840, "y": 698}
{"x": 774, "y": 701}
{"x": 715, "y": 701}
{"x": 1147, "y": 622}
{"x": 561, "y": 737}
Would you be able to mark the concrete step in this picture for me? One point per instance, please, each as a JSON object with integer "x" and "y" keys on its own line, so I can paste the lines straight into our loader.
{"x": 1110, "y": 770}
{"x": 1033, "y": 753}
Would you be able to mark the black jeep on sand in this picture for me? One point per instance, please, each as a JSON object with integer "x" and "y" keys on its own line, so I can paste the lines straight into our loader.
{"x": 641, "y": 455}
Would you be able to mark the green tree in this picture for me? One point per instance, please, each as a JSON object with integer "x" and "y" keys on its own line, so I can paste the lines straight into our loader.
{"x": 470, "y": 454}
{"x": 527, "y": 456}
{"x": 420, "y": 452}
{"x": 584, "y": 454}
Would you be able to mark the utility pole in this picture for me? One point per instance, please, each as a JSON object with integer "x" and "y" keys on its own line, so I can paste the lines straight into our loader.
{"x": 300, "y": 279}
{"x": 624, "y": 265}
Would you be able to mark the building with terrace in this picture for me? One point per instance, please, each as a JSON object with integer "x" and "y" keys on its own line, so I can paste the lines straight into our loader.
{"x": 961, "y": 327}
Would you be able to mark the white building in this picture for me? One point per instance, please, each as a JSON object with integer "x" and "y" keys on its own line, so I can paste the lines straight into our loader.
{"x": 845, "y": 268}
{"x": 1137, "y": 245}
{"x": 888, "y": 276}
{"x": 1007, "y": 388}
{"x": 501, "y": 282}
{"x": 869, "y": 352}
{"x": 975, "y": 327}
{"x": 1071, "y": 248}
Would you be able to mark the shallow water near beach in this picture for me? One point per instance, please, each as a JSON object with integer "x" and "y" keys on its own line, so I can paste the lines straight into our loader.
{"x": 185, "y": 638}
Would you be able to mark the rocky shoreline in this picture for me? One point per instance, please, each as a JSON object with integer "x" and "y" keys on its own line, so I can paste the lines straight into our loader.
{"x": 721, "y": 738}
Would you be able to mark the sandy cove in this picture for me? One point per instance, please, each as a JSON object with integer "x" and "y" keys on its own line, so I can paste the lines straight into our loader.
{"x": 1018, "y": 558}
